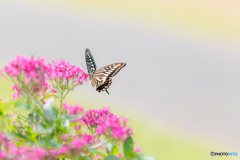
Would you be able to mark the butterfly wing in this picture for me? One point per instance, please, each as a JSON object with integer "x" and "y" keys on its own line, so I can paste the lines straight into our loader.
{"x": 102, "y": 77}
{"x": 91, "y": 65}
{"x": 109, "y": 71}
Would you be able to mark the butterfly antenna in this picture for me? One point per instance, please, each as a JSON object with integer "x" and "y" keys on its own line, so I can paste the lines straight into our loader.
{"x": 107, "y": 92}
{"x": 84, "y": 69}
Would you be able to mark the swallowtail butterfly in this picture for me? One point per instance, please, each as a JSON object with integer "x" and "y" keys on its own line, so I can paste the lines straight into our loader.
{"x": 101, "y": 78}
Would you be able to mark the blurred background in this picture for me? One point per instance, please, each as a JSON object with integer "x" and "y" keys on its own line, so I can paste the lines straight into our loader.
{"x": 181, "y": 85}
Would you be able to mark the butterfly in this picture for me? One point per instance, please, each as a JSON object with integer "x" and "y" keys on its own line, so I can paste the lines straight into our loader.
{"x": 101, "y": 78}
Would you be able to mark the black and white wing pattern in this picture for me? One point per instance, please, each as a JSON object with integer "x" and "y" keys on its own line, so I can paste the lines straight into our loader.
{"x": 91, "y": 65}
{"x": 102, "y": 77}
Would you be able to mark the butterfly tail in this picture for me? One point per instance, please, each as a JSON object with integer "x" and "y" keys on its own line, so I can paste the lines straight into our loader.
{"x": 107, "y": 92}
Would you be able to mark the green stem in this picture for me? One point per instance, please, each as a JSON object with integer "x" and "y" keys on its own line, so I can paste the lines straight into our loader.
{"x": 66, "y": 94}
{"x": 97, "y": 138}
{"x": 92, "y": 137}
{"x": 61, "y": 99}
{"x": 22, "y": 118}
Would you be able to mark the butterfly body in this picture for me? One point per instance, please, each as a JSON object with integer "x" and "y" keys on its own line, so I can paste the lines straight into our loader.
{"x": 101, "y": 78}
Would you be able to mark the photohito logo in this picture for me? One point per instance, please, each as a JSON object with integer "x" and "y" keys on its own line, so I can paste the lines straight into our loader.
{"x": 223, "y": 153}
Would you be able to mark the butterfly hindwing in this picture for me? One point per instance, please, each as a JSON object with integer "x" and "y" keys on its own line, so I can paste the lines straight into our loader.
{"x": 103, "y": 76}
{"x": 105, "y": 85}
{"x": 91, "y": 65}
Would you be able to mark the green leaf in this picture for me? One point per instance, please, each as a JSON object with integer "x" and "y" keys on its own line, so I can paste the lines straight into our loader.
{"x": 19, "y": 143}
{"x": 73, "y": 124}
{"x": 28, "y": 129}
{"x": 128, "y": 146}
{"x": 19, "y": 136}
{"x": 97, "y": 145}
{"x": 40, "y": 128}
{"x": 110, "y": 157}
{"x": 114, "y": 151}
{"x": 100, "y": 154}
{"x": 19, "y": 107}
{"x": 53, "y": 143}
{"x": 134, "y": 155}
{"x": 71, "y": 117}
{"x": 90, "y": 150}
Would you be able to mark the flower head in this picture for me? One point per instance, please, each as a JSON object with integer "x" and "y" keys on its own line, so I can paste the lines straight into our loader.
{"x": 65, "y": 73}
{"x": 112, "y": 127}
{"x": 94, "y": 117}
{"x": 39, "y": 152}
{"x": 78, "y": 143}
{"x": 71, "y": 109}
{"x": 63, "y": 149}
{"x": 136, "y": 149}
{"x": 28, "y": 75}
{"x": 64, "y": 77}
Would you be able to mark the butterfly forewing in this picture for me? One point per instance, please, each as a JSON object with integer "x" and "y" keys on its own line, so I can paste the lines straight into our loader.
{"x": 109, "y": 71}
{"x": 91, "y": 65}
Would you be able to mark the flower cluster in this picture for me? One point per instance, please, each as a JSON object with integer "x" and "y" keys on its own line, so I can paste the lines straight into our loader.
{"x": 40, "y": 129}
{"x": 26, "y": 153}
{"x": 64, "y": 77}
{"x": 94, "y": 117}
{"x": 28, "y": 76}
{"x": 102, "y": 121}
{"x": 65, "y": 73}
{"x": 71, "y": 109}
{"x": 112, "y": 127}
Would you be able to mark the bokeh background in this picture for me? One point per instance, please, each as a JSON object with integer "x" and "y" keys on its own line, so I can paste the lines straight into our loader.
{"x": 181, "y": 85}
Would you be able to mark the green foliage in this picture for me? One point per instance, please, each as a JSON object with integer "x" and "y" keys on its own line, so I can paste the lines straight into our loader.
{"x": 128, "y": 146}
{"x": 110, "y": 157}
{"x": 43, "y": 125}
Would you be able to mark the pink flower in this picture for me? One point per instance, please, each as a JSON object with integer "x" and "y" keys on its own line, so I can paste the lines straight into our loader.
{"x": 53, "y": 152}
{"x": 64, "y": 72}
{"x": 28, "y": 74}
{"x": 1, "y": 137}
{"x": 119, "y": 155}
{"x": 23, "y": 150}
{"x": 39, "y": 152}
{"x": 88, "y": 138}
{"x": 71, "y": 109}
{"x": 63, "y": 150}
{"x": 3, "y": 154}
{"x": 78, "y": 143}
{"x": 94, "y": 117}
{"x": 65, "y": 137}
{"x": 15, "y": 95}
{"x": 13, "y": 149}
{"x": 113, "y": 127}
{"x": 136, "y": 149}
{"x": 15, "y": 87}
